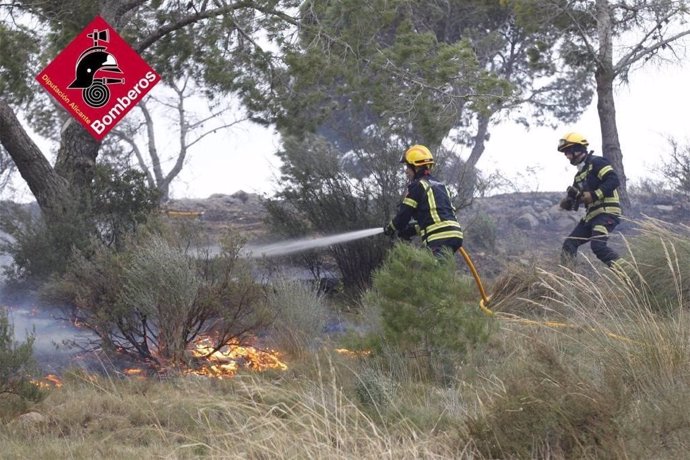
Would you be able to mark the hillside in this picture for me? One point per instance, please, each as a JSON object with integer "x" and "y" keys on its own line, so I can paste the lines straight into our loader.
{"x": 500, "y": 229}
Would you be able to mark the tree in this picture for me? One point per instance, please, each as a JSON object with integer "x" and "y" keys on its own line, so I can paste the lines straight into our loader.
{"x": 318, "y": 196}
{"x": 611, "y": 39}
{"x": 216, "y": 40}
{"x": 424, "y": 72}
{"x": 190, "y": 128}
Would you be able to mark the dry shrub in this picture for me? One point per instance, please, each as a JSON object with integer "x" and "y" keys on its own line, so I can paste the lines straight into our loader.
{"x": 518, "y": 290}
{"x": 661, "y": 255}
{"x": 300, "y": 316}
{"x": 154, "y": 298}
{"x": 546, "y": 405}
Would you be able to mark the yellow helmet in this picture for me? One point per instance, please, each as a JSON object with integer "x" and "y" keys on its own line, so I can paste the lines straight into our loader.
{"x": 570, "y": 140}
{"x": 418, "y": 155}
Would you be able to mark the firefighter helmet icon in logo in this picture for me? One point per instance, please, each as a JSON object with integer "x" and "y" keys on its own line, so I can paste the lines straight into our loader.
{"x": 92, "y": 69}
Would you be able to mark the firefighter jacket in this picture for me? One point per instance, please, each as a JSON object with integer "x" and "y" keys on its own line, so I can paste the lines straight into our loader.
{"x": 598, "y": 177}
{"x": 428, "y": 202}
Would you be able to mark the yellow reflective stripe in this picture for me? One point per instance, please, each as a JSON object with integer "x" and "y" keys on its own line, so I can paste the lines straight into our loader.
{"x": 443, "y": 235}
{"x": 445, "y": 223}
{"x": 616, "y": 211}
{"x": 604, "y": 171}
{"x": 599, "y": 193}
{"x": 432, "y": 205}
{"x": 410, "y": 202}
{"x": 600, "y": 229}
{"x": 612, "y": 200}
{"x": 583, "y": 174}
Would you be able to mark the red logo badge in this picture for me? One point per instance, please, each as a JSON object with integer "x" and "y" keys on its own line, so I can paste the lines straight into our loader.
{"x": 98, "y": 78}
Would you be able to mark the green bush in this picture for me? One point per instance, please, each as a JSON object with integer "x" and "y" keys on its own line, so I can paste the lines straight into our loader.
{"x": 38, "y": 250}
{"x": 17, "y": 365}
{"x": 159, "y": 294}
{"x": 120, "y": 203}
{"x": 427, "y": 309}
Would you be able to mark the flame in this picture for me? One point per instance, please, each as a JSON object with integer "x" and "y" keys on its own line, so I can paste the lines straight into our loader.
{"x": 136, "y": 371}
{"x": 353, "y": 354}
{"x": 225, "y": 362}
{"x": 49, "y": 381}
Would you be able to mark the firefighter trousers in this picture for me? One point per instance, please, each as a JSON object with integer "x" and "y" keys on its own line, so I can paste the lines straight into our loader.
{"x": 596, "y": 232}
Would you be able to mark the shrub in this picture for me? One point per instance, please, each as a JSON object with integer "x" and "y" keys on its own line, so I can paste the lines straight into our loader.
{"x": 425, "y": 306}
{"x": 300, "y": 315}
{"x": 120, "y": 203}
{"x": 17, "y": 365}
{"x": 37, "y": 249}
{"x": 153, "y": 299}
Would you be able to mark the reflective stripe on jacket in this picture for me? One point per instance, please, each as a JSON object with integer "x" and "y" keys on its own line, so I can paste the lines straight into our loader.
{"x": 598, "y": 177}
{"x": 428, "y": 201}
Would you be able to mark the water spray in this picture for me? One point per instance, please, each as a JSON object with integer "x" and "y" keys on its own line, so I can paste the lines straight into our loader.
{"x": 288, "y": 247}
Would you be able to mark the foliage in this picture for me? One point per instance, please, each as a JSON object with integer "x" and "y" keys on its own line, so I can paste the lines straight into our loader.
{"x": 319, "y": 197}
{"x": 677, "y": 168}
{"x": 39, "y": 250}
{"x": 17, "y": 365}
{"x": 121, "y": 203}
{"x": 425, "y": 306}
{"x": 299, "y": 316}
{"x": 153, "y": 299}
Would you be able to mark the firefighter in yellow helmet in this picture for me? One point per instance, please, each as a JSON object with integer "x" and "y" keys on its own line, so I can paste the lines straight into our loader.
{"x": 595, "y": 186}
{"x": 428, "y": 202}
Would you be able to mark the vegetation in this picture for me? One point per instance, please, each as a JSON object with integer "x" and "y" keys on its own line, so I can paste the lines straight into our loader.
{"x": 606, "y": 377}
{"x": 161, "y": 293}
{"x": 581, "y": 363}
{"x": 17, "y": 370}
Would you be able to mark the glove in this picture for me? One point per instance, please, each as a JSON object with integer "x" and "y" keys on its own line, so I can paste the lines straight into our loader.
{"x": 574, "y": 192}
{"x": 587, "y": 198}
{"x": 389, "y": 229}
{"x": 408, "y": 232}
{"x": 566, "y": 203}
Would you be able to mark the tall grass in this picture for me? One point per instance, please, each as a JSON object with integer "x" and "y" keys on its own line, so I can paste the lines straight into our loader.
{"x": 584, "y": 364}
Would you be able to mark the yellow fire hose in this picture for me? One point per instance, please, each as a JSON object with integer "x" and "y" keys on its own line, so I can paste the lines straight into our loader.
{"x": 484, "y": 302}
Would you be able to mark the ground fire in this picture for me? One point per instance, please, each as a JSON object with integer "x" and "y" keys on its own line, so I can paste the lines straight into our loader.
{"x": 226, "y": 361}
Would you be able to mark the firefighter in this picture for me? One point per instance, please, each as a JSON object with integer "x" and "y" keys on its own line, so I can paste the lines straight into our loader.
{"x": 427, "y": 202}
{"x": 595, "y": 186}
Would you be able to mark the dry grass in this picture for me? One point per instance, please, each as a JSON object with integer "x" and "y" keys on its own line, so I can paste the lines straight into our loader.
{"x": 608, "y": 377}
{"x": 248, "y": 417}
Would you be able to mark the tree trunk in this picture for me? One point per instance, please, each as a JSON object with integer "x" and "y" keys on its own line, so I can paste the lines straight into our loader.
{"x": 76, "y": 160}
{"x": 50, "y": 189}
{"x": 606, "y": 107}
{"x": 467, "y": 181}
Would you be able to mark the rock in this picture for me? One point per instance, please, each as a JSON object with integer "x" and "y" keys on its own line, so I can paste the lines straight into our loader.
{"x": 527, "y": 221}
{"x": 31, "y": 418}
